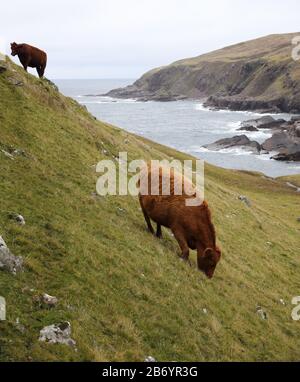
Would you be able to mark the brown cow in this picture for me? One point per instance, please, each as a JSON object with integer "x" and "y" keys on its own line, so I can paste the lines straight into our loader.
{"x": 30, "y": 56}
{"x": 191, "y": 225}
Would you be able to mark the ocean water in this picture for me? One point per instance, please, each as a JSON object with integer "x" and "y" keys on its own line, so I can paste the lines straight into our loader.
{"x": 183, "y": 125}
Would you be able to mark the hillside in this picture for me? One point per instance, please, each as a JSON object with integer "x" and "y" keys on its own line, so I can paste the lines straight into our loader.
{"x": 259, "y": 74}
{"x": 125, "y": 293}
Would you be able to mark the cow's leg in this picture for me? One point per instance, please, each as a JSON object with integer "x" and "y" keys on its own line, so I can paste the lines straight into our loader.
{"x": 158, "y": 231}
{"x": 25, "y": 63}
{"x": 41, "y": 70}
{"x": 25, "y": 67}
{"x": 147, "y": 219}
{"x": 179, "y": 236}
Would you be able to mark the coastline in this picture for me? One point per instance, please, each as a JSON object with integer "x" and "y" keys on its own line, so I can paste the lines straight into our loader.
{"x": 168, "y": 122}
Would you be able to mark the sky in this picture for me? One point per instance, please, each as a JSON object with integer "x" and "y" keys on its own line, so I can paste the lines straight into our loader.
{"x": 125, "y": 38}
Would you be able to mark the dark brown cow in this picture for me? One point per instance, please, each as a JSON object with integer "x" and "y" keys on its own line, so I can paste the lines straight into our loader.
{"x": 191, "y": 225}
{"x": 30, "y": 56}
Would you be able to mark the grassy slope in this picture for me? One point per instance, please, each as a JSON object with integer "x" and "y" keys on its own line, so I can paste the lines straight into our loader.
{"x": 126, "y": 294}
{"x": 272, "y": 47}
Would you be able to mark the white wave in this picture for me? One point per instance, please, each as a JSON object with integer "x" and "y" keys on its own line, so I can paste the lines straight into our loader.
{"x": 260, "y": 135}
{"x": 106, "y": 99}
{"x": 232, "y": 151}
{"x": 234, "y": 125}
{"x": 295, "y": 167}
{"x": 264, "y": 156}
{"x": 201, "y": 107}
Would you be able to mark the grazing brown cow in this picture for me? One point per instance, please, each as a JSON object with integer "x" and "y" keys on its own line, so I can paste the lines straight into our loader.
{"x": 30, "y": 56}
{"x": 191, "y": 225}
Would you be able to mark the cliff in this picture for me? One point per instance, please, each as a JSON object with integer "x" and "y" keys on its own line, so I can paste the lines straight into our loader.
{"x": 255, "y": 75}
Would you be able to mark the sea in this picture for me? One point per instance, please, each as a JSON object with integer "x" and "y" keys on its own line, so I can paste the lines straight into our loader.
{"x": 183, "y": 125}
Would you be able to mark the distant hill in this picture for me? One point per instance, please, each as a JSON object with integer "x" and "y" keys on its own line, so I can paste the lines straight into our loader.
{"x": 257, "y": 74}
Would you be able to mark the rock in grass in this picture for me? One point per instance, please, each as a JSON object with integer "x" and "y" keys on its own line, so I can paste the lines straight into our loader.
{"x": 150, "y": 359}
{"x": 17, "y": 217}
{"x": 3, "y": 65}
{"x": 20, "y": 219}
{"x": 9, "y": 262}
{"x": 21, "y": 328}
{"x": 244, "y": 199}
{"x": 15, "y": 81}
{"x": 50, "y": 83}
{"x": 7, "y": 154}
{"x": 49, "y": 300}
{"x": 57, "y": 334}
{"x": 2, "y": 309}
{"x": 262, "y": 314}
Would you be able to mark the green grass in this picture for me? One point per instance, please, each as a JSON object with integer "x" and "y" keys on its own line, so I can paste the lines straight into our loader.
{"x": 275, "y": 47}
{"x": 126, "y": 294}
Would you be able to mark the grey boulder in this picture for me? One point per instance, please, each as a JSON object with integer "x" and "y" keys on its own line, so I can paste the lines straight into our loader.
{"x": 241, "y": 141}
{"x": 286, "y": 143}
{"x": 49, "y": 300}
{"x": 266, "y": 122}
{"x": 57, "y": 334}
{"x": 150, "y": 359}
{"x": 9, "y": 262}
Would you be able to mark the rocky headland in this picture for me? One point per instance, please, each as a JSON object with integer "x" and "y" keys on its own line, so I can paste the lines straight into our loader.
{"x": 255, "y": 75}
{"x": 285, "y": 140}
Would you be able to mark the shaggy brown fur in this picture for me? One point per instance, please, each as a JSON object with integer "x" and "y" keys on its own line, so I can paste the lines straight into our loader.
{"x": 30, "y": 56}
{"x": 191, "y": 225}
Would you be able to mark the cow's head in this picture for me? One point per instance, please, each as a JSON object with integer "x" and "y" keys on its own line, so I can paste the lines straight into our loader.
{"x": 208, "y": 260}
{"x": 14, "y": 48}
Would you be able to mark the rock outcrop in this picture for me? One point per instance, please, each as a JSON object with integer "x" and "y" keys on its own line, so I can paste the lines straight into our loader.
{"x": 248, "y": 128}
{"x": 286, "y": 142}
{"x": 57, "y": 334}
{"x": 245, "y": 200}
{"x": 3, "y": 66}
{"x": 241, "y": 141}
{"x": 9, "y": 262}
{"x": 48, "y": 300}
{"x": 150, "y": 359}
{"x": 254, "y": 75}
{"x": 284, "y": 103}
{"x": 285, "y": 139}
{"x": 18, "y": 218}
{"x": 266, "y": 122}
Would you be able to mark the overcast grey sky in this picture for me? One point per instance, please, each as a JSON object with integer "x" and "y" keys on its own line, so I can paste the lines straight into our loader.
{"x": 125, "y": 38}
